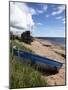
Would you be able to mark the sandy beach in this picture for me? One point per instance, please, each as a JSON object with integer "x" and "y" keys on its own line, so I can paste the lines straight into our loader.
{"x": 55, "y": 52}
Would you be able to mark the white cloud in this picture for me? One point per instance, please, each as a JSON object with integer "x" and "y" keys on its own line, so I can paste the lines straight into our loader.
{"x": 63, "y": 20}
{"x": 47, "y": 16}
{"x": 42, "y": 10}
{"x": 58, "y": 10}
{"x": 16, "y": 31}
{"x": 45, "y": 7}
{"x": 33, "y": 11}
{"x": 59, "y": 17}
{"x": 39, "y": 11}
{"x": 38, "y": 23}
{"x": 20, "y": 16}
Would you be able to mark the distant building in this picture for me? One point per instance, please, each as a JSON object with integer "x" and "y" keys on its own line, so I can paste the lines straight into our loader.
{"x": 26, "y": 37}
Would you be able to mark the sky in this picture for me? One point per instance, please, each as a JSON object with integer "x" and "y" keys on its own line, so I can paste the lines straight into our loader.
{"x": 42, "y": 19}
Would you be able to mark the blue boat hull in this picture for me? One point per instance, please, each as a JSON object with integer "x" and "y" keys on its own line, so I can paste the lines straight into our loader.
{"x": 39, "y": 61}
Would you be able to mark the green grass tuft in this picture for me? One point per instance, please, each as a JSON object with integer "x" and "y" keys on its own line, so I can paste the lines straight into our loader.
{"x": 21, "y": 47}
{"x": 23, "y": 75}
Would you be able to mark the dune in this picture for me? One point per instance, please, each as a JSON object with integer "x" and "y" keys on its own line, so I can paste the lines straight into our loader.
{"x": 51, "y": 51}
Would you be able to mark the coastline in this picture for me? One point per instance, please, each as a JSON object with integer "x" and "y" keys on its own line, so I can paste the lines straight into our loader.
{"x": 49, "y": 50}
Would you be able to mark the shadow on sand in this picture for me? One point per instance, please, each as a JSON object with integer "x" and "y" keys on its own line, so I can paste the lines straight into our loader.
{"x": 46, "y": 72}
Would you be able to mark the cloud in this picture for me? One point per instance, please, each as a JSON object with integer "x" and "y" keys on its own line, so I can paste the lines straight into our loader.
{"x": 63, "y": 21}
{"x": 33, "y": 11}
{"x": 42, "y": 10}
{"x": 39, "y": 11}
{"x": 45, "y": 7}
{"x": 47, "y": 16}
{"x": 21, "y": 17}
{"x": 59, "y": 17}
{"x": 38, "y": 23}
{"x": 58, "y": 10}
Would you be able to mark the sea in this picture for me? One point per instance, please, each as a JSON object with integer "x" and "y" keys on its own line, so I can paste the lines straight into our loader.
{"x": 54, "y": 40}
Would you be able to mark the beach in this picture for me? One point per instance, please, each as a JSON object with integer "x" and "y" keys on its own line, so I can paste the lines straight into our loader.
{"x": 49, "y": 50}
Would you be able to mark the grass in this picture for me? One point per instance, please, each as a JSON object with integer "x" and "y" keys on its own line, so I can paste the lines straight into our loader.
{"x": 21, "y": 47}
{"x": 22, "y": 75}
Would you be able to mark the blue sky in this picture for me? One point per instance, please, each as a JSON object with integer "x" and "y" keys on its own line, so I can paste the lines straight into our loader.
{"x": 49, "y": 19}
{"x": 44, "y": 20}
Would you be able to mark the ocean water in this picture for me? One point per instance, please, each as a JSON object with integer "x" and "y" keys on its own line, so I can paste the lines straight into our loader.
{"x": 54, "y": 40}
